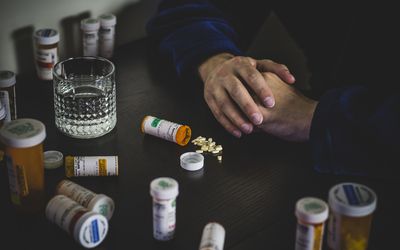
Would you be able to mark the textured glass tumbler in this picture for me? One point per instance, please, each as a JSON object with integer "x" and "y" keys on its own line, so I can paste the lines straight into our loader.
{"x": 85, "y": 97}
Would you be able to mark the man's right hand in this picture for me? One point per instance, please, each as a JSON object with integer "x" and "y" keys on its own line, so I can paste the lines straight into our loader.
{"x": 227, "y": 82}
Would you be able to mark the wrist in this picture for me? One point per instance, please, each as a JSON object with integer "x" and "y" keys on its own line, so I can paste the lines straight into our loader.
{"x": 211, "y": 63}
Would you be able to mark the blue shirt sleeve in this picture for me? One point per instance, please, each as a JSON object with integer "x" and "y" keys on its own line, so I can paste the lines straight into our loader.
{"x": 355, "y": 130}
{"x": 188, "y": 32}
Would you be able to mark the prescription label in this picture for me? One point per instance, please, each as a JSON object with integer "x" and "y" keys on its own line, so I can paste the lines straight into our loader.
{"x": 161, "y": 128}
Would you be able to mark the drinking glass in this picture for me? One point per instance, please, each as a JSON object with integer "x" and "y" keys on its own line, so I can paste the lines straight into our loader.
{"x": 85, "y": 96}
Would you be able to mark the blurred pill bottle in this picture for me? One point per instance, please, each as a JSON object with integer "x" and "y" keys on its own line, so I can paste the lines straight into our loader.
{"x": 311, "y": 215}
{"x": 91, "y": 166}
{"x": 2, "y": 115}
{"x": 107, "y": 35}
{"x": 88, "y": 228}
{"x": 213, "y": 237}
{"x": 164, "y": 191}
{"x": 46, "y": 52}
{"x": 99, "y": 203}
{"x": 8, "y": 95}
{"x": 23, "y": 149}
{"x": 167, "y": 130}
{"x": 352, "y": 206}
{"x": 90, "y": 36}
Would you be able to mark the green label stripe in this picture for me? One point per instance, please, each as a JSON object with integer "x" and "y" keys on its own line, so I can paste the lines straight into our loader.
{"x": 155, "y": 122}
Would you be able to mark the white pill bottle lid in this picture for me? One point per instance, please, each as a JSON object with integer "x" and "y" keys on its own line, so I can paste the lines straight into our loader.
{"x": 91, "y": 229}
{"x": 90, "y": 24}
{"x": 311, "y": 210}
{"x": 7, "y": 78}
{"x": 352, "y": 199}
{"x": 102, "y": 204}
{"x": 23, "y": 133}
{"x": 164, "y": 188}
{"x": 107, "y": 20}
{"x": 213, "y": 236}
{"x": 47, "y": 36}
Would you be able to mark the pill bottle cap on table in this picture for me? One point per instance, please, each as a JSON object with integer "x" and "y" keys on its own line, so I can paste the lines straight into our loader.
{"x": 192, "y": 161}
{"x": 53, "y": 159}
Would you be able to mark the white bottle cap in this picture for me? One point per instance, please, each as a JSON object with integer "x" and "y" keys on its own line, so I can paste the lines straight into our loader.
{"x": 47, "y": 36}
{"x": 7, "y": 78}
{"x": 192, "y": 161}
{"x": 23, "y": 133}
{"x": 102, "y": 204}
{"x": 352, "y": 199}
{"x": 311, "y": 210}
{"x": 53, "y": 159}
{"x": 91, "y": 229}
{"x": 107, "y": 20}
{"x": 164, "y": 188}
{"x": 90, "y": 24}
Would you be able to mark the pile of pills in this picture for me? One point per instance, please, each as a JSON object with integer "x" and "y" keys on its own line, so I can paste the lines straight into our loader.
{"x": 207, "y": 145}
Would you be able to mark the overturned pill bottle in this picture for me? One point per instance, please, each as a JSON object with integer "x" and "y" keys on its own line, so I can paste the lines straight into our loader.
{"x": 107, "y": 35}
{"x": 164, "y": 191}
{"x": 167, "y": 130}
{"x": 23, "y": 149}
{"x": 311, "y": 215}
{"x": 88, "y": 228}
{"x": 352, "y": 206}
{"x": 91, "y": 166}
{"x": 90, "y": 36}
{"x": 213, "y": 237}
{"x": 46, "y": 52}
{"x": 99, "y": 203}
{"x": 8, "y": 95}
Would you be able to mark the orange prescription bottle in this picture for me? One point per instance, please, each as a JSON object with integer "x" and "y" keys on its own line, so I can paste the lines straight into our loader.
{"x": 91, "y": 165}
{"x": 23, "y": 148}
{"x": 167, "y": 130}
{"x": 351, "y": 206}
{"x": 311, "y": 215}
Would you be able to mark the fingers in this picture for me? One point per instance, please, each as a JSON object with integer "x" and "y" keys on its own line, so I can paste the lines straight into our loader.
{"x": 279, "y": 69}
{"x": 227, "y": 114}
{"x": 243, "y": 99}
{"x": 252, "y": 77}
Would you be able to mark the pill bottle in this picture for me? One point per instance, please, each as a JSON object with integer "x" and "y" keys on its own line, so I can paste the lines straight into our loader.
{"x": 46, "y": 52}
{"x": 311, "y": 215}
{"x": 352, "y": 206}
{"x": 98, "y": 203}
{"x": 88, "y": 228}
{"x": 164, "y": 191}
{"x": 23, "y": 149}
{"x": 91, "y": 166}
{"x": 8, "y": 95}
{"x": 107, "y": 35}
{"x": 213, "y": 237}
{"x": 167, "y": 130}
{"x": 90, "y": 37}
{"x": 2, "y": 116}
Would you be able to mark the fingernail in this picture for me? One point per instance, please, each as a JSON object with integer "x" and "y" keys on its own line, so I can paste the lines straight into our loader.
{"x": 269, "y": 102}
{"x": 256, "y": 118}
{"x": 292, "y": 78}
{"x": 247, "y": 128}
{"x": 237, "y": 133}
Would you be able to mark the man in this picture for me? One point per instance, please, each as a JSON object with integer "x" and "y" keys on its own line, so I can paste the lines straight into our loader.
{"x": 350, "y": 48}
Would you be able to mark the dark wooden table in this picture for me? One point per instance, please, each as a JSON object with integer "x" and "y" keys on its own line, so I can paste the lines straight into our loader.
{"x": 252, "y": 193}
